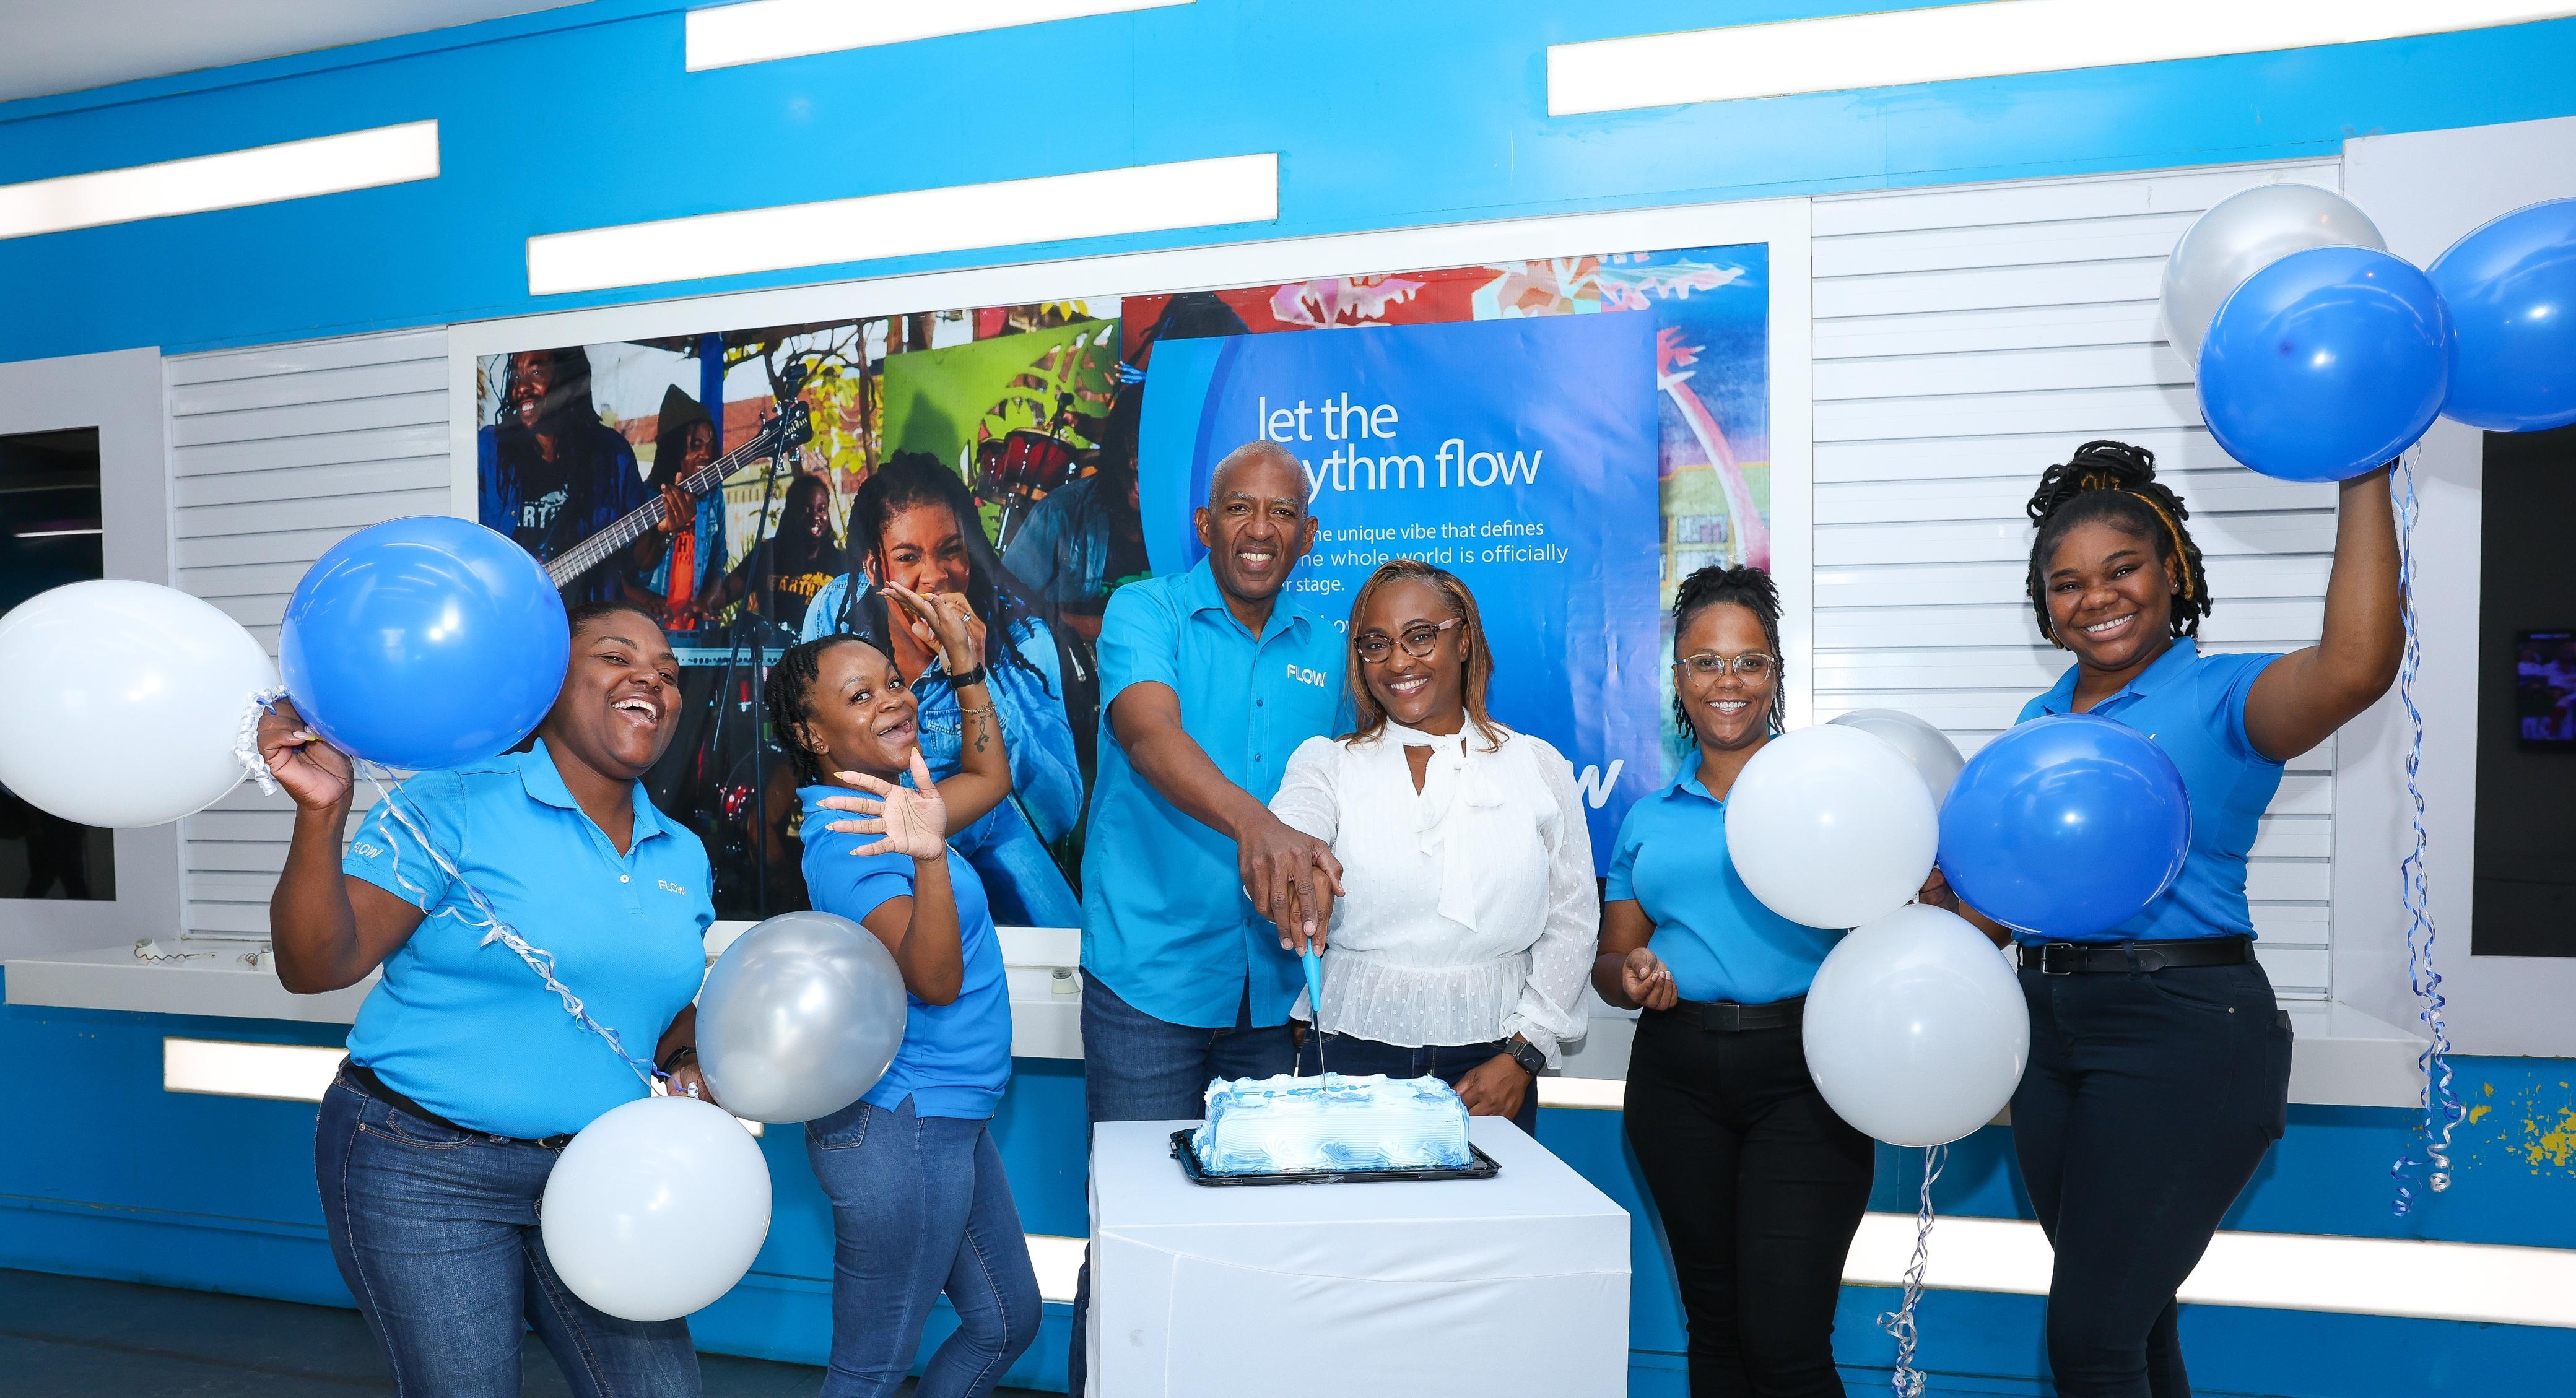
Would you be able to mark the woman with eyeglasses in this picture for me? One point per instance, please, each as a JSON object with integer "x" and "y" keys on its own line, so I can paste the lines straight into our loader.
{"x": 1760, "y": 1185}
{"x": 1468, "y": 913}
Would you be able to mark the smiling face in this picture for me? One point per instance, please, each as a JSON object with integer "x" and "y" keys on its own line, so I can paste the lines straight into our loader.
{"x": 1731, "y": 710}
{"x": 1255, "y": 523}
{"x": 700, "y": 448}
{"x": 2110, "y": 599}
{"x": 532, "y": 379}
{"x": 859, "y": 715}
{"x": 1422, "y": 692}
{"x": 614, "y": 713}
{"x": 922, "y": 547}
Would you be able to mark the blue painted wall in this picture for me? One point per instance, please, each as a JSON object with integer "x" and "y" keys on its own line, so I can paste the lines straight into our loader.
{"x": 1384, "y": 116}
{"x": 107, "y": 1175}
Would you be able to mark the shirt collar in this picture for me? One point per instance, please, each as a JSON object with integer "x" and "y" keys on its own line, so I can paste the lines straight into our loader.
{"x": 544, "y": 783}
{"x": 1689, "y": 784}
{"x": 2177, "y": 658}
{"x": 1200, "y": 593}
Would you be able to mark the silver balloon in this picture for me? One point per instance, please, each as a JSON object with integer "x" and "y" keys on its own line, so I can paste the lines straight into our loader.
{"x": 2241, "y": 235}
{"x": 799, "y": 1018}
{"x": 1927, "y": 747}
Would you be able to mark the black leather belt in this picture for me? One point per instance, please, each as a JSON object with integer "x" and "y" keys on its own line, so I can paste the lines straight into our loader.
{"x": 364, "y": 1079}
{"x": 2100, "y": 958}
{"x": 1728, "y": 1017}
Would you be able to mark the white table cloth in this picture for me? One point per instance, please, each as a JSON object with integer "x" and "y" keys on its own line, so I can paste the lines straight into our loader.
{"x": 1515, "y": 1285}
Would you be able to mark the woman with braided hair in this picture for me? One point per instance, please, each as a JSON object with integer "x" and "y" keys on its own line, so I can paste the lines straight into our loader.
{"x": 2159, "y": 1062}
{"x": 1760, "y": 1185}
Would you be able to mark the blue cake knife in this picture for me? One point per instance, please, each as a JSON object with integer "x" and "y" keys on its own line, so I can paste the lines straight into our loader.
{"x": 1315, "y": 1003}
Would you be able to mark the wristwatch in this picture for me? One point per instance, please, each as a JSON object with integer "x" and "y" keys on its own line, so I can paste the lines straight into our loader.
{"x": 970, "y": 677}
{"x": 1527, "y": 1055}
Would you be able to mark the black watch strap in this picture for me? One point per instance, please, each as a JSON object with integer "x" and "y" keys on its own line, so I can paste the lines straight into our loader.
{"x": 680, "y": 1057}
{"x": 1527, "y": 1055}
{"x": 974, "y": 676}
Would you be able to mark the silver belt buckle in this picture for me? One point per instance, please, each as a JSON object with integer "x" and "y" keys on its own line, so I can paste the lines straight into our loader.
{"x": 2046, "y": 948}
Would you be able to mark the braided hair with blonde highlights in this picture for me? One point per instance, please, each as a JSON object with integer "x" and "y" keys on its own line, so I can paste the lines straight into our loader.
{"x": 2115, "y": 483}
{"x": 1752, "y": 589}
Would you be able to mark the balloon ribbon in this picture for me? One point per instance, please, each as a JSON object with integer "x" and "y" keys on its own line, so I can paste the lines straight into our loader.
{"x": 1900, "y": 1322}
{"x": 2442, "y": 1109}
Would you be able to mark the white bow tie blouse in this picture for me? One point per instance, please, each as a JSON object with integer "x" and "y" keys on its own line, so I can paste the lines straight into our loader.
{"x": 1469, "y": 911}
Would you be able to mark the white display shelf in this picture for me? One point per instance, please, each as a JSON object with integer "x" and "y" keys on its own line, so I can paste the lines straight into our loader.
{"x": 2342, "y": 1057}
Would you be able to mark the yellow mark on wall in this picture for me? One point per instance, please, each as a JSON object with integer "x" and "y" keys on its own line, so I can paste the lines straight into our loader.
{"x": 2478, "y": 1111}
{"x": 2556, "y": 1146}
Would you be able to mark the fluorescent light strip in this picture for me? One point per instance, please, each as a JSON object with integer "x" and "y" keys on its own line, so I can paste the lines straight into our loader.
{"x": 234, "y": 179}
{"x": 1051, "y": 208}
{"x": 1058, "y": 1262}
{"x": 763, "y": 30}
{"x": 275, "y": 1072}
{"x": 1987, "y": 40}
{"x": 56, "y": 533}
{"x": 1593, "y": 1094}
{"x": 2274, "y": 1271}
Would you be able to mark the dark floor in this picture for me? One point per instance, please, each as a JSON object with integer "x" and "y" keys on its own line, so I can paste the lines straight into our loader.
{"x": 72, "y": 1337}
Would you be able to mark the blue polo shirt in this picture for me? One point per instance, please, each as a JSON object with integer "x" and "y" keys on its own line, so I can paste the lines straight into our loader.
{"x": 1719, "y": 941}
{"x": 2192, "y": 706}
{"x": 955, "y": 1058}
{"x": 1165, "y": 923}
{"x": 467, "y": 1030}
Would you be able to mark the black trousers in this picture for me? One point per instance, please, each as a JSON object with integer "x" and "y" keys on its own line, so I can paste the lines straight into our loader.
{"x": 1345, "y": 1053}
{"x": 2149, "y": 1101}
{"x": 1761, "y": 1188}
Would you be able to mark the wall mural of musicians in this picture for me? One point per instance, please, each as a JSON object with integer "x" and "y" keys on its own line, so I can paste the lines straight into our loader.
{"x": 757, "y": 487}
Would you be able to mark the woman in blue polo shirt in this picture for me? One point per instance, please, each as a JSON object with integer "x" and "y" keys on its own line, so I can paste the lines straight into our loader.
{"x": 919, "y": 1201}
{"x": 2159, "y": 1062}
{"x": 1760, "y": 1185}
{"x": 465, "y": 1076}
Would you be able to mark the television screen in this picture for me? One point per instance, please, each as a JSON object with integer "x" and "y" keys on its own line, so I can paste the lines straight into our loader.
{"x": 2544, "y": 691}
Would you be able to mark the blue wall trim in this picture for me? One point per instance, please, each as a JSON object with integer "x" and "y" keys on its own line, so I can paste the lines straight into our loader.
{"x": 110, "y": 1176}
{"x": 1385, "y": 116}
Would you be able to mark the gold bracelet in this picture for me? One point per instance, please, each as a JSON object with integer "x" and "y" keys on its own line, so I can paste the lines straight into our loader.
{"x": 987, "y": 711}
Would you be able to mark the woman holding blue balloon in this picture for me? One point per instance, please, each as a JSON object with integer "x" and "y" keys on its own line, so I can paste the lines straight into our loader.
{"x": 466, "y": 1077}
{"x": 2159, "y": 1061}
{"x": 920, "y": 1205}
{"x": 1761, "y": 1186}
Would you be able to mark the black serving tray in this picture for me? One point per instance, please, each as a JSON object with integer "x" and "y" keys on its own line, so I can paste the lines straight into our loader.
{"x": 1483, "y": 1168}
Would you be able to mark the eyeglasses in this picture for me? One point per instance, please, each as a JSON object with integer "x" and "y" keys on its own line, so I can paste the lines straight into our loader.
{"x": 1753, "y": 665}
{"x": 1419, "y": 638}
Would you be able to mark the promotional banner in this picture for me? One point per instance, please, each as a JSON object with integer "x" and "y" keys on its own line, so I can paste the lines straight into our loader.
{"x": 1571, "y": 435}
{"x": 1518, "y": 454}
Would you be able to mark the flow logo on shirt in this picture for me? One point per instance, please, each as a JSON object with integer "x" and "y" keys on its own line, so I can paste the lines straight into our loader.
{"x": 1302, "y": 675}
{"x": 364, "y": 850}
{"x": 670, "y": 887}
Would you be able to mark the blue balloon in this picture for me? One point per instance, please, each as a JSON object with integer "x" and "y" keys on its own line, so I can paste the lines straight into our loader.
{"x": 2511, "y": 287}
{"x": 2325, "y": 364}
{"x": 2066, "y": 826}
{"x": 424, "y": 642}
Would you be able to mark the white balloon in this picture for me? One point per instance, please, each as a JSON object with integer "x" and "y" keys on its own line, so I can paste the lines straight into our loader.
{"x": 1831, "y": 827}
{"x": 1927, "y": 747}
{"x": 120, "y": 701}
{"x": 1916, "y": 1030}
{"x": 657, "y": 1208}
{"x": 2241, "y": 235}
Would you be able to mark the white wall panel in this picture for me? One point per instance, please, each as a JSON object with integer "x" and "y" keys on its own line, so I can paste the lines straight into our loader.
{"x": 277, "y": 453}
{"x": 1966, "y": 338}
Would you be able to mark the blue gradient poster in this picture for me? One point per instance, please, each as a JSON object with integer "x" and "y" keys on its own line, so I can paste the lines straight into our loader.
{"x": 1520, "y": 454}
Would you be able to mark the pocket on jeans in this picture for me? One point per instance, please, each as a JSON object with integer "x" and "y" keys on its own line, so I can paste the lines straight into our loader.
{"x": 2212, "y": 989}
{"x": 842, "y": 1130}
{"x": 400, "y": 1125}
{"x": 2280, "y": 1044}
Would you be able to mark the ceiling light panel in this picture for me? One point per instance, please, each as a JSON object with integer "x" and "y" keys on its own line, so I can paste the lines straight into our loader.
{"x": 381, "y": 155}
{"x": 763, "y": 30}
{"x": 1993, "y": 39}
{"x": 1051, "y": 208}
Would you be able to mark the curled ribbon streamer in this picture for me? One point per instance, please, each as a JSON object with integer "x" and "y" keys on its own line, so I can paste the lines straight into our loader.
{"x": 485, "y": 917}
{"x": 2442, "y": 1109}
{"x": 1900, "y": 1322}
{"x": 246, "y": 739}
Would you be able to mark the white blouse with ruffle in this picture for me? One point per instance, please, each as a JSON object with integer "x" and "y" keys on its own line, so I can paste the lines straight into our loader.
{"x": 1470, "y": 912}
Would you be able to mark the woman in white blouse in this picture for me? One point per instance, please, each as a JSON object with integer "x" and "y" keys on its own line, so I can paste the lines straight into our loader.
{"x": 1469, "y": 913}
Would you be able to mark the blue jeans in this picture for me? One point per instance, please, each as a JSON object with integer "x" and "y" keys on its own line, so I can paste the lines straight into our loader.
{"x": 920, "y": 1206}
{"x": 1021, "y": 879}
{"x": 1139, "y": 1068}
{"x": 435, "y": 1231}
{"x": 1344, "y": 1053}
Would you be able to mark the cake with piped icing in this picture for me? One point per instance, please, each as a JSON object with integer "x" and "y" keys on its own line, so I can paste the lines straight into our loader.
{"x": 1287, "y": 1124}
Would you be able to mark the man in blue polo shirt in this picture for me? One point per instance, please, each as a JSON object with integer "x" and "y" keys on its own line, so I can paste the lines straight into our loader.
{"x": 1208, "y": 682}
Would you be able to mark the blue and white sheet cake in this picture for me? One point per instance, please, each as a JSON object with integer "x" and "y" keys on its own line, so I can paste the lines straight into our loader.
{"x": 1332, "y": 1122}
